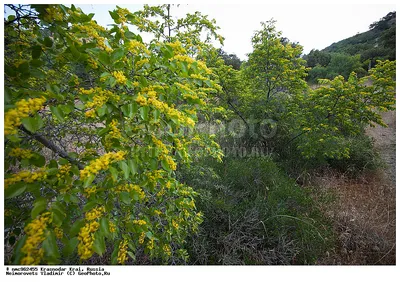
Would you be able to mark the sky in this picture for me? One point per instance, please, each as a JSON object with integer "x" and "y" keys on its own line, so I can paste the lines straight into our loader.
{"x": 314, "y": 26}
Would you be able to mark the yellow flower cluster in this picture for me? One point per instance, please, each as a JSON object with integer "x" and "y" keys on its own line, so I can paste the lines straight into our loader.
{"x": 160, "y": 145}
{"x": 21, "y": 153}
{"x": 86, "y": 239}
{"x": 198, "y": 76}
{"x": 167, "y": 250}
{"x": 53, "y": 13}
{"x": 26, "y": 176}
{"x": 95, "y": 213}
{"x": 101, "y": 163}
{"x": 129, "y": 188}
{"x": 166, "y": 109}
{"x": 122, "y": 12}
{"x": 24, "y": 108}
{"x": 92, "y": 63}
{"x": 152, "y": 176}
{"x": 175, "y": 224}
{"x": 91, "y": 113}
{"x": 183, "y": 58}
{"x": 170, "y": 161}
{"x": 137, "y": 47}
{"x": 89, "y": 191}
{"x": 115, "y": 132}
{"x": 101, "y": 96}
{"x": 63, "y": 170}
{"x": 140, "y": 63}
{"x": 150, "y": 244}
{"x": 177, "y": 47}
{"x": 91, "y": 30}
{"x": 123, "y": 248}
{"x": 203, "y": 66}
{"x": 157, "y": 212}
{"x": 120, "y": 77}
{"x": 139, "y": 222}
{"x": 35, "y": 236}
{"x": 142, "y": 101}
{"x": 112, "y": 227}
{"x": 59, "y": 232}
{"x": 141, "y": 238}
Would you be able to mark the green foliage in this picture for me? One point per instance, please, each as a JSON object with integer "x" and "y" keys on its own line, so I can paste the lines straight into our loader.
{"x": 340, "y": 108}
{"x": 362, "y": 157}
{"x": 254, "y": 214}
{"x": 118, "y": 115}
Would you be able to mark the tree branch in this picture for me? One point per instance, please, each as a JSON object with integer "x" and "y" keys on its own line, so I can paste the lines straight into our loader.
{"x": 52, "y": 147}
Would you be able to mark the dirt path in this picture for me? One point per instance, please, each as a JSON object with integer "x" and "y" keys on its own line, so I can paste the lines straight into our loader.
{"x": 385, "y": 142}
{"x": 364, "y": 213}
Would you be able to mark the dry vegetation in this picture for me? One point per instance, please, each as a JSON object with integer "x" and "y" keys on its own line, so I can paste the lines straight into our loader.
{"x": 364, "y": 210}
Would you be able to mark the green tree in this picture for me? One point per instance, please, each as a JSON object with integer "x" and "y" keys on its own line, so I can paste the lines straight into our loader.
{"x": 96, "y": 124}
{"x": 274, "y": 70}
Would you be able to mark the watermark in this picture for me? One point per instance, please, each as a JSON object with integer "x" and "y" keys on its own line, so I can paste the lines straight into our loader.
{"x": 237, "y": 128}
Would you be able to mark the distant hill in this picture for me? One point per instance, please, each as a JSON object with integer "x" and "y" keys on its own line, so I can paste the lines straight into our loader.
{"x": 379, "y": 41}
{"x": 357, "y": 53}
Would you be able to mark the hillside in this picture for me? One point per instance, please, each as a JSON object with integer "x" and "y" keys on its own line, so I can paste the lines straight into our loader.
{"x": 379, "y": 41}
{"x": 355, "y": 54}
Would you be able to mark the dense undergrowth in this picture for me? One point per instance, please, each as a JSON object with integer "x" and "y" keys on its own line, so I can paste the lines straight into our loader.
{"x": 254, "y": 214}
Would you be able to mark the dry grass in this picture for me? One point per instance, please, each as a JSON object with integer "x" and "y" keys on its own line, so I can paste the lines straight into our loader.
{"x": 364, "y": 212}
{"x": 364, "y": 219}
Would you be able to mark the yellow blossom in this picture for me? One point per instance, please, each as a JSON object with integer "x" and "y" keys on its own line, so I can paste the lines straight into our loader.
{"x": 122, "y": 252}
{"x": 101, "y": 163}
{"x": 21, "y": 153}
{"x": 120, "y": 77}
{"x": 35, "y": 236}
{"x": 24, "y": 108}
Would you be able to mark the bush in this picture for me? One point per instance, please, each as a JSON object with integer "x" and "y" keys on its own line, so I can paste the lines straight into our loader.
{"x": 363, "y": 157}
{"x": 254, "y": 214}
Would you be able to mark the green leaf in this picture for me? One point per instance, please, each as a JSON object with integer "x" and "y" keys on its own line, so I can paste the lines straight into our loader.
{"x": 165, "y": 165}
{"x": 18, "y": 255}
{"x": 156, "y": 115}
{"x": 14, "y": 190}
{"x": 50, "y": 246}
{"x": 70, "y": 246}
{"x": 125, "y": 197}
{"x": 57, "y": 111}
{"x": 88, "y": 180}
{"x": 125, "y": 169}
{"x": 38, "y": 206}
{"x": 76, "y": 227}
{"x": 75, "y": 53}
{"x": 104, "y": 226}
{"x": 104, "y": 58}
{"x": 117, "y": 54}
{"x": 144, "y": 112}
{"x": 129, "y": 110}
{"x": 48, "y": 42}
{"x": 133, "y": 166}
{"x": 33, "y": 124}
{"x": 129, "y": 35}
{"x": 90, "y": 205}
{"x": 99, "y": 244}
{"x": 114, "y": 173}
{"x": 36, "y": 52}
{"x": 102, "y": 111}
{"x": 38, "y": 160}
{"x": 58, "y": 217}
{"x": 114, "y": 255}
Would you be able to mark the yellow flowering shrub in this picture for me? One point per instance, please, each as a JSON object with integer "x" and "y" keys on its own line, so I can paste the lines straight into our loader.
{"x": 105, "y": 117}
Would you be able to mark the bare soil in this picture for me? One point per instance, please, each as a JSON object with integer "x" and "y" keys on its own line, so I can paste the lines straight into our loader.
{"x": 364, "y": 210}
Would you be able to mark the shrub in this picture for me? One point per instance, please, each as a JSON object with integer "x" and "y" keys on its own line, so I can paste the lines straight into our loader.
{"x": 254, "y": 214}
